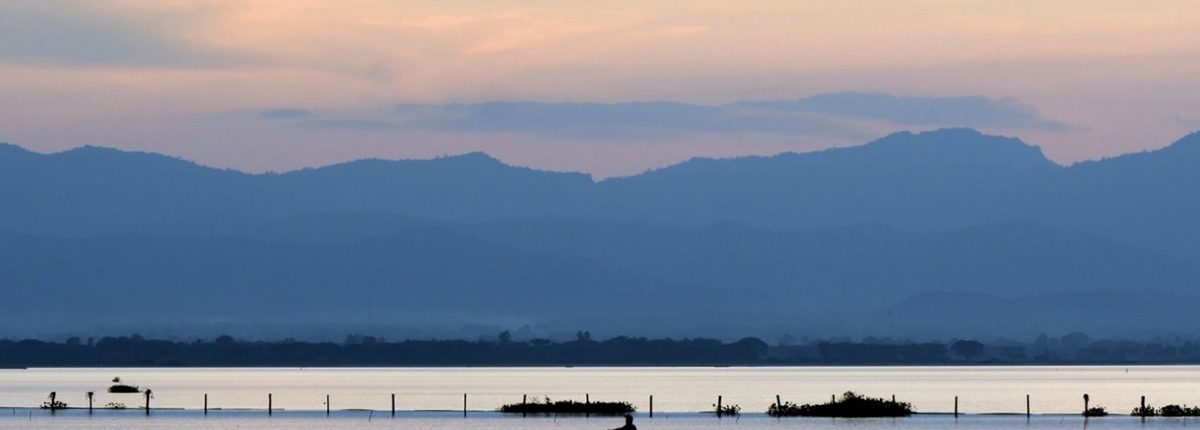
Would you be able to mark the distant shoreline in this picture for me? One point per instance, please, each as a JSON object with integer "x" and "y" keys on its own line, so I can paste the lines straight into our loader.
{"x": 368, "y": 352}
{"x": 623, "y": 366}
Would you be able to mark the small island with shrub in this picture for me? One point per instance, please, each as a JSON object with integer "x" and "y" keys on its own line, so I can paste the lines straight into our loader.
{"x": 1167, "y": 411}
{"x": 851, "y": 405}
{"x": 569, "y": 407}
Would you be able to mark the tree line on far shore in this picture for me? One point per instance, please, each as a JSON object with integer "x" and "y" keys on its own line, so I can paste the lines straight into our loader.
{"x": 504, "y": 350}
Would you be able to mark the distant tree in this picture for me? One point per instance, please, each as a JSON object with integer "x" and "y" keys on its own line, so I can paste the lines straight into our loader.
{"x": 1075, "y": 341}
{"x": 878, "y": 340}
{"x": 504, "y": 337}
{"x": 787, "y": 339}
{"x": 967, "y": 349}
{"x": 750, "y": 348}
{"x": 1041, "y": 345}
{"x": 1015, "y": 353}
{"x": 224, "y": 339}
{"x": 74, "y": 341}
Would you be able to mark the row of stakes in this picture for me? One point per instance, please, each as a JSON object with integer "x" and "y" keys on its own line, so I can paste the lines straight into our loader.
{"x": 148, "y": 394}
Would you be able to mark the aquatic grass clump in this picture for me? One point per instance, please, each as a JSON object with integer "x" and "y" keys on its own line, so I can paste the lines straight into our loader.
{"x": 569, "y": 407}
{"x": 1167, "y": 411}
{"x": 1179, "y": 411}
{"x": 1097, "y": 411}
{"x": 728, "y": 410}
{"x": 786, "y": 409}
{"x": 1144, "y": 411}
{"x": 851, "y": 405}
{"x": 52, "y": 403}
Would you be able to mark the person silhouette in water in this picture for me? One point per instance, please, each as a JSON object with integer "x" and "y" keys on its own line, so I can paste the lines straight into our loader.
{"x": 628, "y": 424}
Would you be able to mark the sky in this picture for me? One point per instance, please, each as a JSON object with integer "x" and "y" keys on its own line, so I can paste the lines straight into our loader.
{"x": 605, "y": 87}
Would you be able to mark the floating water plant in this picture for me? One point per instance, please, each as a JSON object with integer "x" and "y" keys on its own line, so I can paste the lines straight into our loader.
{"x": 1167, "y": 411}
{"x": 52, "y": 403}
{"x": 730, "y": 410}
{"x": 1144, "y": 411}
{"x": 851, "y": 405}
{"x": 569, "y": 407}
{"x": 1179, "y": 411}
{"x": 785, "y": 409}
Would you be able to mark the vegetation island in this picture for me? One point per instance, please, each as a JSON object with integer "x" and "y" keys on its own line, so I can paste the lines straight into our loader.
{"x": 1166, "y": 411}
{"x": 851, "y": 405}
{"x": 569, "y": 407}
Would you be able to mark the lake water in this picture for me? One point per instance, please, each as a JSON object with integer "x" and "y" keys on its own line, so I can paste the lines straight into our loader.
{"x": 433, "y": 397}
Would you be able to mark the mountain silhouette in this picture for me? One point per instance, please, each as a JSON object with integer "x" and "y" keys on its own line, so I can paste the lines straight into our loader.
{"x": 821, "y": 241}
{"x": 944, "y": 179}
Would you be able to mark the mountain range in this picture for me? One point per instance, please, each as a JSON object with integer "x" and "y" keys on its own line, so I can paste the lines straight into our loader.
{"x": 942, "y": 233}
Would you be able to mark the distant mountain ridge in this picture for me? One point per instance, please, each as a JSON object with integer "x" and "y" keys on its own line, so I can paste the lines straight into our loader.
{"x": 802, "y": 241}
{"x": 942, "y": 179}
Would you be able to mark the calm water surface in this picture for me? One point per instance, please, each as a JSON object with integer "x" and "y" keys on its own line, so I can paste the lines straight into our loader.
{"x": 426, "y": 396}
{"x": 360, "y": 420}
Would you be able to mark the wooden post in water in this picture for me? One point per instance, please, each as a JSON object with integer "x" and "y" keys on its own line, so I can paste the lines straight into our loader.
{"x": 269, "y": 404}
{"x": 893, "y": 398}
{"x": 326, "y": 405}
{"x": 587, "y": 401}
{"x": 205, "y": 403}
{"x": 148, "y": 394}
{"x": 1028, "y": 410}
{"x": 464, "y": 405}
{"x": 718, "y": 406}
{"x": 651, "y": 406}
{"x": 90, "y": 395}
{"x": 393, "y": 405}
{"x": 833, "y": 398}
{"x": 778, "y": 404}
{"x": 955, "y": 406}
{"x": 1142, "y": 411}
{"x": 1086, "y": 399}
